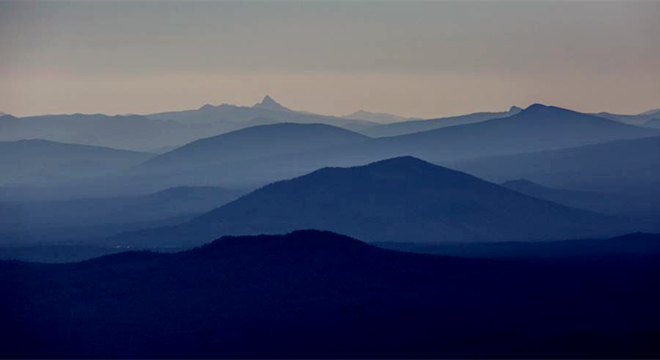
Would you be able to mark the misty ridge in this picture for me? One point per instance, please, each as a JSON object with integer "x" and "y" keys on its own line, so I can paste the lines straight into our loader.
{"x": 528, "y": 232}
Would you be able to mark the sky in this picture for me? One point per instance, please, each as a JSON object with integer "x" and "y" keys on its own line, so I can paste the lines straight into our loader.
{"x": 418, "y": 59}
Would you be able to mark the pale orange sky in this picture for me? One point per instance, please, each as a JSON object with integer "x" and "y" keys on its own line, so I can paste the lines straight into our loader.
{"x": 426, "y": 59}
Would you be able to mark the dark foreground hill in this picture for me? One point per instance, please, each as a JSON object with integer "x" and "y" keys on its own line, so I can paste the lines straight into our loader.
{"x": 317, "y": 294}
{"x": 630, "y": 247}
{"x": 400, "y": 200}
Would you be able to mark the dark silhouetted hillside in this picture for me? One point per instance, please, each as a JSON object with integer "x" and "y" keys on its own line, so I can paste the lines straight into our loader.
{"x": 626, "y": 248}
{"x": 313, "y": 294}
{"x": 401, "y": 200}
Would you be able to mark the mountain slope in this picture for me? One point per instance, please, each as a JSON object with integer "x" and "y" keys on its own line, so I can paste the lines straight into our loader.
{"x": 653, "y": 123}
{"x": 313, "y": 294}
{"x": 413, "y": 126}
{"x": 623, "y": 165}
{"x": 41, "y": 161}
{"x": 251, "y": 143}
{"x": 401, "y": 200}
{"x": 593, "y": 201}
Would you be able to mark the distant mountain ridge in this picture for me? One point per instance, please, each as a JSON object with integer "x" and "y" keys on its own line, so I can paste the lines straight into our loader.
{"x": 419, "y": 125}
{"x": 538, "y": 127}
{"x": 638, "y": 119}
{"x": 267, "y": 108}
{"x": 147, "y": 132}
{"x": 269, "y": 104}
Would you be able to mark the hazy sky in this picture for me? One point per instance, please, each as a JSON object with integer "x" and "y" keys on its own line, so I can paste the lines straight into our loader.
{"x": 421, "y": 59}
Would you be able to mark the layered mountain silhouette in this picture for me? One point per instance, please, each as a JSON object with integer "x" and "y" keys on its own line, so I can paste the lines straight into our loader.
{"x": 401, "y": 200}
{"x": 255, "y": 156}
{"x": 267, "y": 108}
{"x": 145, "y": 133}
{"x": 538, "y": 127}
{"x": 409, "y": 127}
{"x": 41, "y": 161}
{"x": 312, "y": 294}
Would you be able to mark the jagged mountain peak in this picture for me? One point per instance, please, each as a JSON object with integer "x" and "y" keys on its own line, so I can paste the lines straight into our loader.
{"x": 270, "y": 104}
